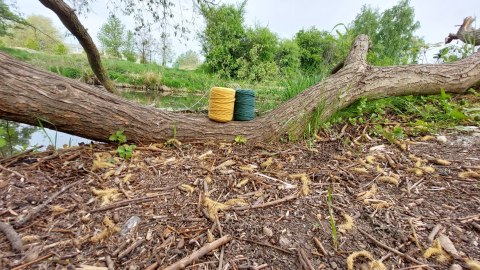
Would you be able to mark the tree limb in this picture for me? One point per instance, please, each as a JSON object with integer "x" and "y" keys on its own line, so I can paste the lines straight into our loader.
{"x": 466, "y": 33}
{"x": 72, "y": 23}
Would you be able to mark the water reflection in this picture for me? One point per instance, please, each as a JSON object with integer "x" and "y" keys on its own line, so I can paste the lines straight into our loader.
{"x": 16, "y": 137}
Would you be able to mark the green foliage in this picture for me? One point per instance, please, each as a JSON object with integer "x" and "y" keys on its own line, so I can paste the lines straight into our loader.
{"x": 37, "y": 32}
{"x": 124, "y": 150}
{"x": 61, "y": 49}
{"x": 258, "y": 61}
{"x": 391, "y": 33}
{"x": 188, "y": 60}
{"x": 7, "y": 18}
{"x": 14, "y": 137}
{"x": 118, "y": 136}
{"x": 293, "y": 87}
{"x": 453, "y": 53}
{"x": 417, "y": 114}
{"x": 72, "y": 73}
{"x": 128, "y": 48}
{"x": 239, "y": 139}
{"x": 287, "y": 58}
{"x": 111, "y": 35}
{"x": 319, "y": 51}
{"x": 222, "y": 37}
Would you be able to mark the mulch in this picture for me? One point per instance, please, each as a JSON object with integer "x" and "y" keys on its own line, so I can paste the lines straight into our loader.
{"x": 85, "y": 208}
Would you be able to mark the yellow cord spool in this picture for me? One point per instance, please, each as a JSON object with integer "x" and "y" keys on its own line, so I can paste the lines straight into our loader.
{"x": 221, "y": 105}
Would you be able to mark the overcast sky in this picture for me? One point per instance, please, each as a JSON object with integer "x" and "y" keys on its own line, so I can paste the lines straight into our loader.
{"x": 286, "y": 17}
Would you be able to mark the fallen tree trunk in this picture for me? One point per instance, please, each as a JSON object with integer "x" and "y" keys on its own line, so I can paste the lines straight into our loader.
{"x": 466, "y": 33}
{"x": 30, "y": 95}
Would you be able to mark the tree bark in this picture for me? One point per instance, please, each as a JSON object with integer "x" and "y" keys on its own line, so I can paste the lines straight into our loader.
{"x": 72, "y": 23}
{"x": 30, "y": 95}
{"x": 466, "y": 33}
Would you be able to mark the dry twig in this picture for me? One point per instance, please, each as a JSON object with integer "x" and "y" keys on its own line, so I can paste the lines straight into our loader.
{"x": 127, "y": 202}
{"x": 285, "y": 199}
{"x": 33, "y": 262}
{"x": 199, "y": 253}
{"x": 131, "y": 248}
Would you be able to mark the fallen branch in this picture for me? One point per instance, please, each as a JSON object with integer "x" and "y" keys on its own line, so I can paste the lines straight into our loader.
{"x": 285, "y": 199}
{"x": 21, "y": 220}
{"x": 199, "y": 253}
{"x": 401, "y": 254}
{"x": 12, "y": 236}
{"x": 127, "y": 202}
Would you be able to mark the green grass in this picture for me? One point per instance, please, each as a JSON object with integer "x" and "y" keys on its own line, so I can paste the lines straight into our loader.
{"x": 400, "y": 117}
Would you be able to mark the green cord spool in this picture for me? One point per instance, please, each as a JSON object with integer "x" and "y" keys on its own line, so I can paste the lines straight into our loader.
{"x": 244, "y": 109}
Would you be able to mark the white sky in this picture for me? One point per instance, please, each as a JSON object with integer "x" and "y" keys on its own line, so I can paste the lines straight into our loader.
{"x": 286, "y": 17}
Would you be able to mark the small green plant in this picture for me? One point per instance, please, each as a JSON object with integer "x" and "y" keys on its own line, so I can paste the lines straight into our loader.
{"x": 239, "y": 139}
{"x": 53, "y": 142}
{"x": 118, "y": 136}
{"x": 124, "y": 150}
{"x": 332, "y": 220}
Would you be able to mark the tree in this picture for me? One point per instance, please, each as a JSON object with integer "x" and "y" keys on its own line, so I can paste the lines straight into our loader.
{"x": 288, "y": 57}
{"x": 111, "y": 35}
{"x": 7, "y": 18}
{"x": 128, "y": 48}
{"x": 187, "y": 60}
{"x": 79, "y": 109}
{"x": 37, "y": 32}
{"x": 392, "y": 33}
{"x": 146, "y": 45}
{"x": 222, "y": 37}
{"x": 258, "y": 60}
{"x": 318, "y": 50}
{"x": 166, "y": 48}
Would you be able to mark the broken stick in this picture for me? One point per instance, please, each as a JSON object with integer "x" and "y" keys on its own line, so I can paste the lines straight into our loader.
{"x": 199, "y": 253}
{"x": 21, "y": 220}
{"x": 12, "y": 236}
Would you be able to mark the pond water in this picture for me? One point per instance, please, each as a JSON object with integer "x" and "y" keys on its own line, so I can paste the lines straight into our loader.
{"x": 58, "y": 139}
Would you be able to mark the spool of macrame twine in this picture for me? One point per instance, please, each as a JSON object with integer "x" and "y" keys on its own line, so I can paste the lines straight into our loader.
{"x": 244, "y": 105}
{"x": 222, "y": 101}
